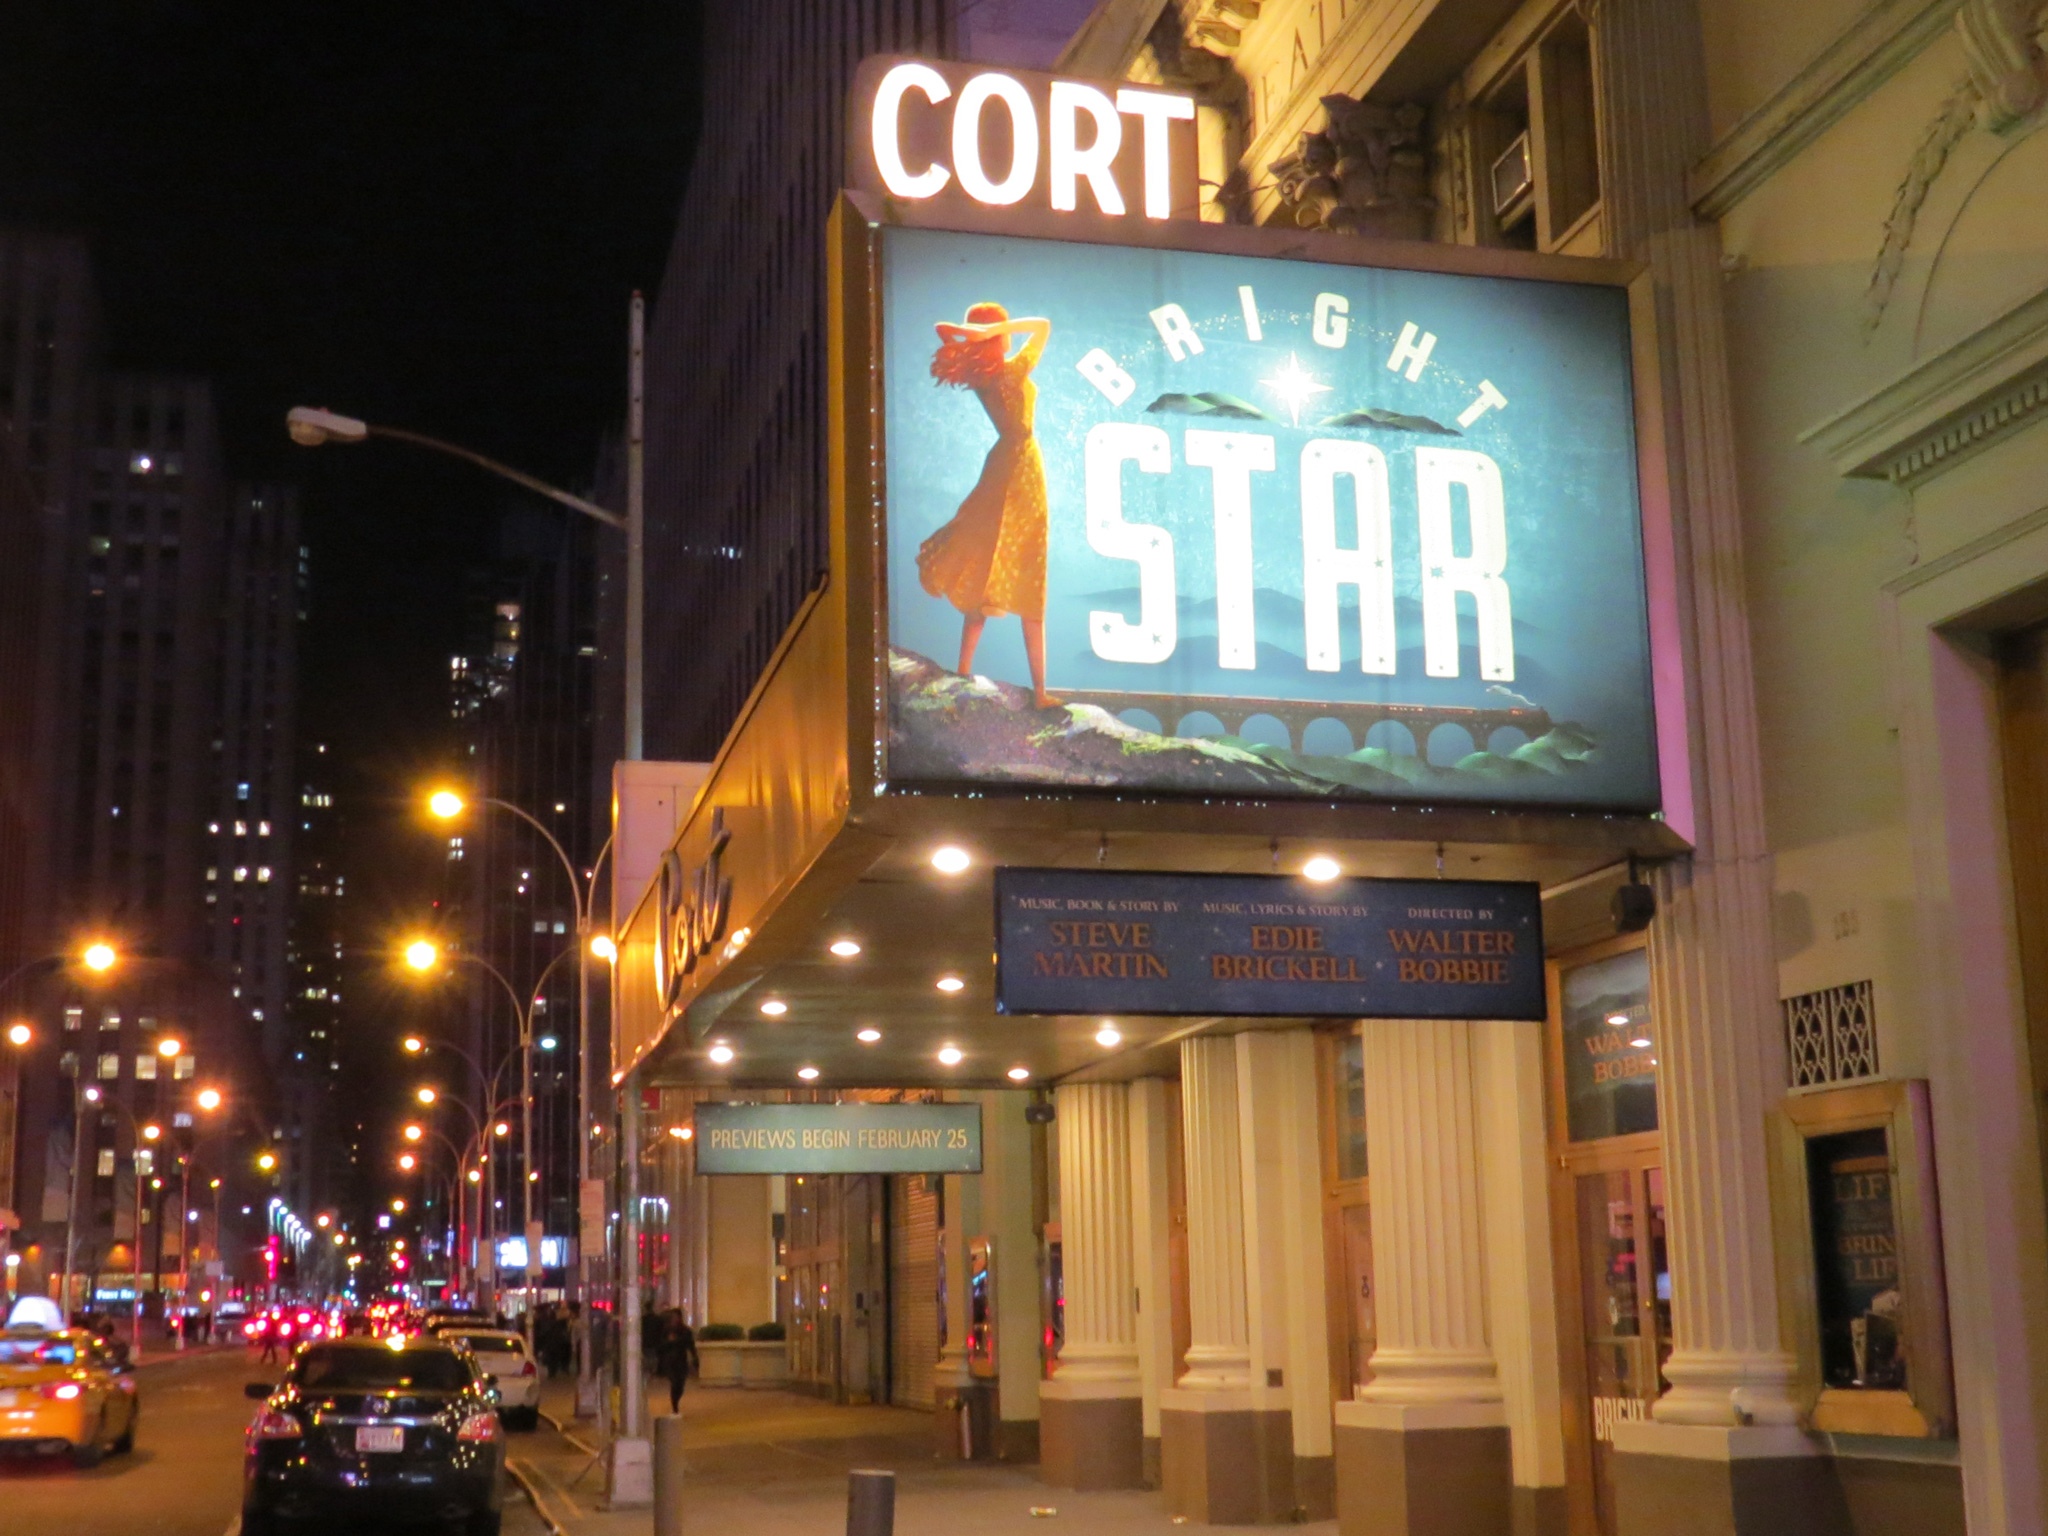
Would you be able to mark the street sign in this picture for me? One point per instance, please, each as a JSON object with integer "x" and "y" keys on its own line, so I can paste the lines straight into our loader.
{"x": 838, "y": 1138}
{"x": 1083, "y": 941}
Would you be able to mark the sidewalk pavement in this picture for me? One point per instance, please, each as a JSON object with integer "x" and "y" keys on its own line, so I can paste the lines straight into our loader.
{"x": 775, "y": 1464}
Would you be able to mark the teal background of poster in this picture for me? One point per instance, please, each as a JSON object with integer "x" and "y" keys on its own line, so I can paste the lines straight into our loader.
{"x": 1564, "y": 444}
{"x": 838, "y": 1138}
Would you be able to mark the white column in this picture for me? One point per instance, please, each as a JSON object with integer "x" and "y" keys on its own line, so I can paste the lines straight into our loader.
{"x": 1101, "y": 1345}
{"x": 1428, "y": 1243}
{"x": 1713, "y": 970}
{"x": 1007, "y": 1220}
{"x": 1151, "y": 1124}
{"x": 1520, "y": 1278}
{"x": 1283, "y": 1228}
{"x": 1219, "y": 1347}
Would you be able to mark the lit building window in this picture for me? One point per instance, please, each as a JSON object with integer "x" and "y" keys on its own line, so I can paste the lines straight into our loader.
{"x": 74, "y": 1018}
{"x": 213, "y": 828}
{"x": 212, "y": 872}
{"x": 145, "y": 1161}
{"x": 182, "y": 1120}
{"x": 145, "y": 1067}
{"x": 106, "y": 1162}
{"x": 241, "y": 872}
{"x": 140, "y": 463}
{"x": 109, "y": 1019}
{"x": 262, "y": 872}
{"x": 263, "y": 829}
{"x": 184, "y": 1067}
{"x": 110, "y": 1067}
{"x": 241, "y": 791}
{"x": 241, "y": 829}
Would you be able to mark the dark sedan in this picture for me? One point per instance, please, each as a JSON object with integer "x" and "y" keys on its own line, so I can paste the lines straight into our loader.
{"x": 370, "y": 1432}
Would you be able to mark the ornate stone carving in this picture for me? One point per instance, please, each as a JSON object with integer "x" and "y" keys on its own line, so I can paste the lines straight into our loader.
{"x": 2008, "y": 83}
{"x": 1365, "y": 172}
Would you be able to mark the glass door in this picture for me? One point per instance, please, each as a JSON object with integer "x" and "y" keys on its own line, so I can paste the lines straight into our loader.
{"x": 1608, "y": 1211}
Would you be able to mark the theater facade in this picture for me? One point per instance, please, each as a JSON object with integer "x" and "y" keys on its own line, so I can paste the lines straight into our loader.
{"x": 1238, "y": 945}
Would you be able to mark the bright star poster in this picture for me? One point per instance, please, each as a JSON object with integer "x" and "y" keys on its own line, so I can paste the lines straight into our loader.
{"x": 1181, "y": 522}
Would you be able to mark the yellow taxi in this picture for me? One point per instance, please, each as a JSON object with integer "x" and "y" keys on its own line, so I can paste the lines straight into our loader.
{"x": 64, "y": 1391}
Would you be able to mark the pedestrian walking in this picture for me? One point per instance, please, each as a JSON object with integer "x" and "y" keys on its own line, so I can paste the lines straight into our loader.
{"x": 676, "y": 1357}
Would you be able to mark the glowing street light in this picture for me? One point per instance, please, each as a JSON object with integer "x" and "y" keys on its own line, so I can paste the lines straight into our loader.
{"x": 415, "y": 1133}
{"x": 426, "y": 1095}
{"x": 408, "y": 1162}
{"x": 209, "y": 1099}
{"x": 422, "y": 954}
{"x": 152, "y": 1132}
{"x": 601, "y": 945}
{"x": 267, "y": 1162}
{"x": 445, "y": 804}
{"x": 99, "y": 957}
{"x": 413, "y": 1045}
{"x": 169, "y": 1046}
{"x": 398, "y": 1207}
{"x": 19, "y": 1034}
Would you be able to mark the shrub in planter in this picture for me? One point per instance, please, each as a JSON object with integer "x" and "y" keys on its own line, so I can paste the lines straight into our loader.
{"x": 766, "y": 1332}
{"x": 720, "y": 1333}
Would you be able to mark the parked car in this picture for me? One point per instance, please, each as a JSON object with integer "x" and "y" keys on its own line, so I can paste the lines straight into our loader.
{"x": 370, "y": 1432}
{"x": 504, "y": 1355}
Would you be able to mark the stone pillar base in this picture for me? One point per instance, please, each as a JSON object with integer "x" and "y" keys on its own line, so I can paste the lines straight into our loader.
{"x": 1090, "y": 1435}
{"x": 1540, "y": 1512}
{"x": 1151, "y": 1454}
{"x": 1438, "y": 1469}
{"x": 1227, "y": 1458}
{"x": 1713, "y": 1480}
{"x": 1315, "y": 1487}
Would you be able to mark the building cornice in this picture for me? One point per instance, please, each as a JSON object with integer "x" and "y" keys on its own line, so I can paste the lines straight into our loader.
{"x": 1873, "y": 48}
{"x": 1948, "y": 406}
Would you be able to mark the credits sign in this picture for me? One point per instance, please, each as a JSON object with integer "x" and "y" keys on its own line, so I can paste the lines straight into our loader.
{"x": 1087, "y": 942}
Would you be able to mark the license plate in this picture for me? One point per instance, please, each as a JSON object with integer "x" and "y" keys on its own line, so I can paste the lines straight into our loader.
{"x": 380, "y": 1437}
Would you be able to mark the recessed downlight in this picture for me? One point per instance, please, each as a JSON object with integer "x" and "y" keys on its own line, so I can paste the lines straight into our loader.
{"x": 721, "y": 1053}
{"x": 1641, "y": 1042}
{"x": 775, "y": 1007}
{"x": 868, "y": 1036}
{"x": 1617, "y": 1019}
{"x": 1108, "y": 1035}
{"x": 950, "y": 984}
{"x": 1018, "y": 1074}
{"x": 845, "y": 949}
{"x": 808, "y": 1074}
{"x": 951, "y": 860}
{"x": 951, "y": 1055}
{"x": 1322, "y": 867}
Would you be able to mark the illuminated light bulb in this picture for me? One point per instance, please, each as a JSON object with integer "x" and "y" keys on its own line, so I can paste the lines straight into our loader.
{"x": 950, "y": 860}
{"x": 99, "y": 957}
{"x": 1617, "y": 1019}
{"x": 169, "y": 1046}
{"x": 1321, "y": 868}
{"x": 603, "y": 947}
{"x": 1108, "y": 1035}
{"x": 775, "y": 1007}
{"x": 951, "y": 1055}
{"x": 1641, "y": 1042}
{"x": 209, "y": 1099}
{"x": 808, "y": 1074}
{"x": 422, "y": 955}
{"x": 722, "y": 1054}
{"x": 868, "y": 1036}
{"x": 445, "y": 803}
{"x": 19, "y": 1034}
{"x": 845, "y": 949}
{"x": 1018, "y": 1074}
{"x": 950, "y": 984}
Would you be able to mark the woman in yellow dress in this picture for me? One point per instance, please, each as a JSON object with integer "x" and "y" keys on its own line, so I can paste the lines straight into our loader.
{"x": 990, "y": 559}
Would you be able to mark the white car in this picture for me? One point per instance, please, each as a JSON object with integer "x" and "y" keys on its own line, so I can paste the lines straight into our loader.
{"x": 503, "y": 1353}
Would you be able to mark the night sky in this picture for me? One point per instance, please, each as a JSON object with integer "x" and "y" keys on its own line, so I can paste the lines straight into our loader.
{"x": 428, "y": 213}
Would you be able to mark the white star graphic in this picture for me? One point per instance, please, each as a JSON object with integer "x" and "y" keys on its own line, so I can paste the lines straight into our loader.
{"x": 1294, "y": 385}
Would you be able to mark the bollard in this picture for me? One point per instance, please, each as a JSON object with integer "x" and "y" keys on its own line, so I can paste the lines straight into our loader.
{"x": 870, "y": 1503}
{"x": 668, "y": 1476}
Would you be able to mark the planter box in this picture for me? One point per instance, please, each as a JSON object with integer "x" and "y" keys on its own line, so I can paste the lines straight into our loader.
{"x": 738, "y": 1363}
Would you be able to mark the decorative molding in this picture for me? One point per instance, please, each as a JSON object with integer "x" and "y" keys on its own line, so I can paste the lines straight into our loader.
{"x": 1951, "y": 125}
{"x": 1869, "y": 52}
{"x": 1365, "y": 172}
{"x": 1831, "y": 1036}
{"x": 1948, "y": 406}
{"x": 2001, "y": 40}
{"x": 1110, "y": 40}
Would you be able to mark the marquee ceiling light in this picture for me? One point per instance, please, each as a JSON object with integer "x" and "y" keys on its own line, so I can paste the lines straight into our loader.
{"x": 1018, "y": 1074}
{"x": 951, "y": 1055}
{"x": 868, "y": 1036}
{"x": 1322, "y": 867}
{"x": 721, "y": 1053}
{"x": 951, "y": 860}
{"x": 1108, "y": 1035}
{"x": 845, "y": 949}
{"x": 808, "y": 1074}
{"x": 1617, "y": 1019}
{"x": 951, "y": 984}
{"x": 775, "y": 1007}
{"x": 1641, "y": 1042}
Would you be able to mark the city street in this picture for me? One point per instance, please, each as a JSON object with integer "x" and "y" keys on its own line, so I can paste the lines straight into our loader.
{"x": 184, "y": 1476}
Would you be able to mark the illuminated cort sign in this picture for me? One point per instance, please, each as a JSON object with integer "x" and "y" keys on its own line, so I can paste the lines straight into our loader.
{"x": 1000, "y": 138}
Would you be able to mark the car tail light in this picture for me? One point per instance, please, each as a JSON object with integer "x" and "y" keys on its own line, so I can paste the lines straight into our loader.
{"x": 527, "y": 1369}
{"x": 284, "y": 1330}
{"x": 275, "y": 1424}
{"x": 63, "y": 1391}
{"x": 479, "y": 1427}
{"x": 249, "y": 1329}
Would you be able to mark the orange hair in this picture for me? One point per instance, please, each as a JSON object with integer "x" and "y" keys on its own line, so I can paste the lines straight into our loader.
{"x": 966, "y": 361}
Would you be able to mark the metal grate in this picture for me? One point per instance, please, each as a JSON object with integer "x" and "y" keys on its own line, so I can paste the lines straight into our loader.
{"x": 1831, "y": 1035}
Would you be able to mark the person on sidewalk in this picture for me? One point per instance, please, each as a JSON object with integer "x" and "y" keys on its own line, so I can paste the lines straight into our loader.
{"x": 676, "y": 1357}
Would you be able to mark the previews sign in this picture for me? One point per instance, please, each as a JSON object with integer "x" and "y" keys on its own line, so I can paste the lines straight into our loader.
{"x": 1001, "y": 138}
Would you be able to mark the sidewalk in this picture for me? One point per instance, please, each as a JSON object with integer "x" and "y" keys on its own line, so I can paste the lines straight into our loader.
{"x": 775, "y": 1464}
